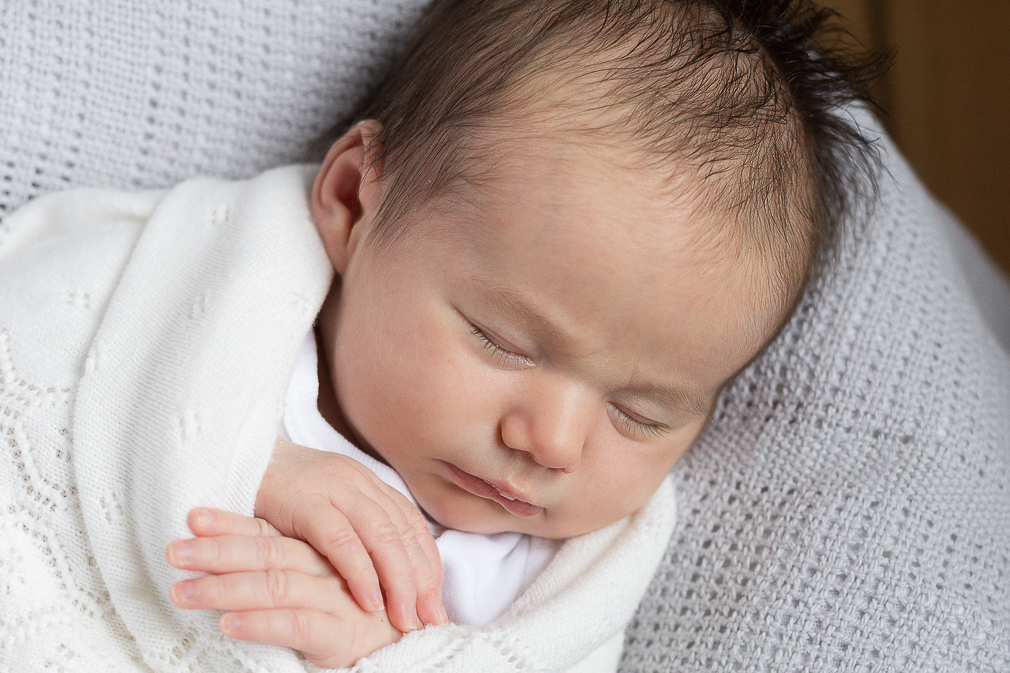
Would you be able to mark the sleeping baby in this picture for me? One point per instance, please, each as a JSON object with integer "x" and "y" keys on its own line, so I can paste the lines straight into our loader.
{"x": 555, "y": 234}
{"x": 558, "y": 233}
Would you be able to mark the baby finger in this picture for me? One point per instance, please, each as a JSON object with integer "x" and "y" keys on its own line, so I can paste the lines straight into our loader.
{"x": 328, "y": 530}
{"x": 264, "y": 589}
{"x": 387, "y": 538}
{"x": 206, "y": 521}
{"x": 236, "y": 553}
{"x": 424, "y": 559}
{"x": 326, "y": 640}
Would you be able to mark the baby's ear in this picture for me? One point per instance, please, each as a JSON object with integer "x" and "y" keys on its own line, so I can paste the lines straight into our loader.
{"x": 347, "y": 193}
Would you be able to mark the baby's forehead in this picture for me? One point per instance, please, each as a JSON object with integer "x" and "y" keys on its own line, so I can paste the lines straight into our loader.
{"x": 604, "y": 237}
{"x": 647, "y": 203}
{"x": 705, "y": 203}
{"x": 584, "y": 161}
{"x": 738, "y": 96}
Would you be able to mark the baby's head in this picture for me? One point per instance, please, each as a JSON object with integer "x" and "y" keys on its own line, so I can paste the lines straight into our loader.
{"x": 563, "y": 228}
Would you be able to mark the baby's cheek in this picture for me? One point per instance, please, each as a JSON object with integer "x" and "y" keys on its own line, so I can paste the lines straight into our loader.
{"x": 623, "y": 479}
{"x": 416, "y": 392}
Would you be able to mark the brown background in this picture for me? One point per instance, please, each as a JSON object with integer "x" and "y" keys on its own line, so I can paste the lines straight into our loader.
{"x": 948, "y": 95}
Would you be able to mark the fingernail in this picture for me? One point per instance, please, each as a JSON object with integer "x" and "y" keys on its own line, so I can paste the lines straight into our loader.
{"x": 203, "y": 517}
{"x": 375, "y": 601}
{"x": 183, "y": 591}
{"x": 410, "y": 619}
{"x": 413, "y": 618}
{"x": 181, "y": 550}
{"x": 443, "y": 617}
{"x": 230, "y": 623}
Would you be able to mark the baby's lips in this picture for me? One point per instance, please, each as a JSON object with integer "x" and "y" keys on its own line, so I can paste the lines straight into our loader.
{"x": 501, "y": 494}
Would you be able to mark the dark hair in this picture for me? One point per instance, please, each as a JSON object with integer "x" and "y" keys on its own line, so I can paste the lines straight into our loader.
{"x": 736, "y": 90}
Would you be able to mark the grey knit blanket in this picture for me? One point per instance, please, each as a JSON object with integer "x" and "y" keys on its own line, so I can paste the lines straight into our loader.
{"x": 849, "y": 507}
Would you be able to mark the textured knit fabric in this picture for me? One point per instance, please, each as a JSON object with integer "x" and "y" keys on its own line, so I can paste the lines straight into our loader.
{"x": 482, "y": 574}
{"x": 820, "y": 510}
{"x": 146, "y": 344}
{"x": 137, "y": 94}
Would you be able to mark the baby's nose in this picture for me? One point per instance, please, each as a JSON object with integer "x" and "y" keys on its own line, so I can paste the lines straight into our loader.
{"x": 552, "y": 427}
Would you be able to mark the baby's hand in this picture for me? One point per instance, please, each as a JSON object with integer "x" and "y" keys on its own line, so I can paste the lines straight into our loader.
{"x": 367, "y": 529}
{"x": 275, "y": 590}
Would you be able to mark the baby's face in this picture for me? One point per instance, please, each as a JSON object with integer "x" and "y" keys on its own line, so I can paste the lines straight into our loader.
{"x": 537, "y": 359}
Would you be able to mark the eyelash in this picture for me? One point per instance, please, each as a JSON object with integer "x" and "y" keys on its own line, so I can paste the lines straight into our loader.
{"x": 504, "y": 356}
{"x": 637, "y": 426}
{"x": 513, "y": 359}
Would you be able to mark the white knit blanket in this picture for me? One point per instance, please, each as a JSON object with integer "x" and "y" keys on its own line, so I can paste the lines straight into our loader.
{"x": 146, "y": 341}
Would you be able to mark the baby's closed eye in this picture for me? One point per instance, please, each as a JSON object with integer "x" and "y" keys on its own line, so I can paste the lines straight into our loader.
{"x": 502, "y": 353}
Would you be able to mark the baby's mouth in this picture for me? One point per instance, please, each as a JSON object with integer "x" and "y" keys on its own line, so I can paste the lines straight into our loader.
{"x": 499, "y": 491}
{"x": 490, "y": 491}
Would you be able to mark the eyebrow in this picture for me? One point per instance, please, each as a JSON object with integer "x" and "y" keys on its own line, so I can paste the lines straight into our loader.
{"x": 558, "y": 339}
